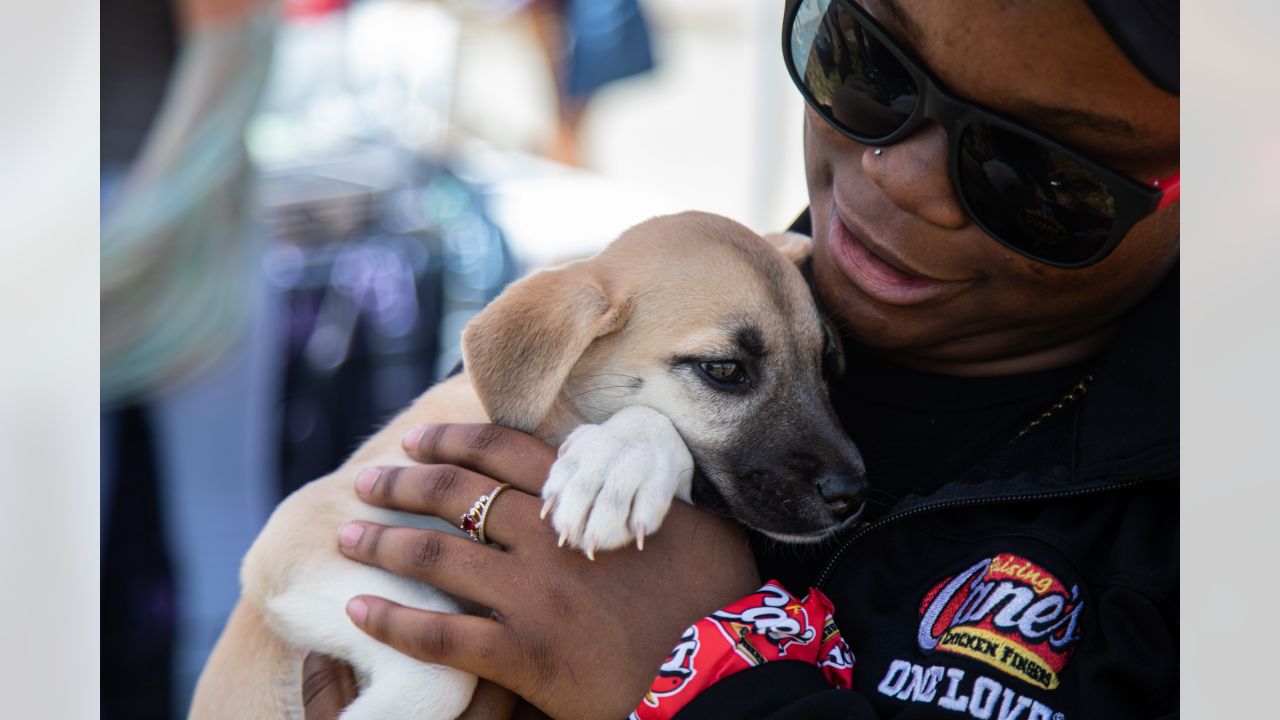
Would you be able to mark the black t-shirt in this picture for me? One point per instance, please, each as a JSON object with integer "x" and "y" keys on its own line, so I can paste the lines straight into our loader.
{"x": 917, "y": 431}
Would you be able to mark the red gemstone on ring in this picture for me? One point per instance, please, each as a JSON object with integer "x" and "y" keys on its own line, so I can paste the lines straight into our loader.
{"x": 469, "y": 524}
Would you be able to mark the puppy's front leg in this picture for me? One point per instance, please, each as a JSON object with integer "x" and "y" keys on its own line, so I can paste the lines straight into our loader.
{"x": 614, "y": 482}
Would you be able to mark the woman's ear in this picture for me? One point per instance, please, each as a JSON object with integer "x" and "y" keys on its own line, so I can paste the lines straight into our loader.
{"x": 519, "y": 350}
{"x": 794, "y": 246}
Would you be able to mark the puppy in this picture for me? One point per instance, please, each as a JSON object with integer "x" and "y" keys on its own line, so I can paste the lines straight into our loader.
{"x": 690, "y": 342}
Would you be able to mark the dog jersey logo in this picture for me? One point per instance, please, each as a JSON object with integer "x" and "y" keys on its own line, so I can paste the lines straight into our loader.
{"x": 677, "y": 670}
{"x": 769, "y": 624}
{"x": 772, "y": 620}
{"x": 837, "y": 658}
{"x": 1008, "y": 613}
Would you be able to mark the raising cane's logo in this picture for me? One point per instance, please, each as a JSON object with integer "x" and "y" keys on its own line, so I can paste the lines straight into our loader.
{"x": 1008, "y": 613}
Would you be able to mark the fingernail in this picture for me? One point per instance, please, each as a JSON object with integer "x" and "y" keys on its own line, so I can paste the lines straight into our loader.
{"x": 358, "y": 610}
{"x": 412, "y": 437}
{"x": 366, "y": 479}
{"x": 350, "y": 534}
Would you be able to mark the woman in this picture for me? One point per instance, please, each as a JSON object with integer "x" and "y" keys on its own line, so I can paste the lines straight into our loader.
{"x": 1006, "y": 285}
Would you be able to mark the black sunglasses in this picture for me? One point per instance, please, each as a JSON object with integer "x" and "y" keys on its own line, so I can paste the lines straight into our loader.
{"x": 1028, "y": 192}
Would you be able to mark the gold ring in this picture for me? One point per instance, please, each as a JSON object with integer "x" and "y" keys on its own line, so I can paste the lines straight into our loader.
{"x": 473, "y": 520}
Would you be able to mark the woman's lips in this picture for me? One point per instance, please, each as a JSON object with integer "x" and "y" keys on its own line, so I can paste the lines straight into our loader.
{"x": 874, "y": 276}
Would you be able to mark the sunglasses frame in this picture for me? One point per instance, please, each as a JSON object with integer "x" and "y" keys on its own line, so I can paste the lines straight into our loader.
{"x": 1132, "y": 199}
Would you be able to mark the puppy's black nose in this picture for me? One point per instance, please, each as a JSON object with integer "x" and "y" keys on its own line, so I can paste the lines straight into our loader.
{"x": 843, "y": 493}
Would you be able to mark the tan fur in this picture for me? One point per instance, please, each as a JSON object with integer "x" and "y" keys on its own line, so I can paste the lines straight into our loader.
{"x": 251, "y": 672}
{"x": 515, "y": 371}
{"x": 526, "y": 355}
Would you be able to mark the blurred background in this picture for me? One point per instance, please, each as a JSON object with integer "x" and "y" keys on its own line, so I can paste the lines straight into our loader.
{"x": 49, "y": 312}
{"x": 303, "y": 202}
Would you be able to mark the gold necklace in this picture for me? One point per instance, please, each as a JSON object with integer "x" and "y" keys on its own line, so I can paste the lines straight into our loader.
{"x": 1076, "y": 392}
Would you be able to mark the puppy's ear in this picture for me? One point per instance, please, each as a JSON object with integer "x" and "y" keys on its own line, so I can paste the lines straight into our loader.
{"x": 519, "y": 350}
{"x": 793, "y": 246}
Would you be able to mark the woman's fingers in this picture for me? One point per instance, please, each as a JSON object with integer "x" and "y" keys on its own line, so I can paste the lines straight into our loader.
{"x": 499, "y": 452}
{"x": 472, "y": 644}
{"x": 449, "y": 492}
{"x": 453, "y": 564}
{"x": 579, "y": 639}
{"x": 328, "y": 687}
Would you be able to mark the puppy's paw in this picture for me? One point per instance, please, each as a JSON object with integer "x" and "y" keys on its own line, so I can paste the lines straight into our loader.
{"x": 614, "y": 482}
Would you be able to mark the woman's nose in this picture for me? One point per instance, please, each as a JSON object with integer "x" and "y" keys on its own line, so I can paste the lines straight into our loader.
{"x": 914, "y": 176}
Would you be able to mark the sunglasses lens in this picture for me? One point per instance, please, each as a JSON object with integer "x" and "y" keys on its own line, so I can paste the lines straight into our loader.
{"x": 850, "y": 76}
{"x": 1033, "y": 198}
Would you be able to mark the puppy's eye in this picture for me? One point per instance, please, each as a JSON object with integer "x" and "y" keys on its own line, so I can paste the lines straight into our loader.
{"x": 723, "y": 372}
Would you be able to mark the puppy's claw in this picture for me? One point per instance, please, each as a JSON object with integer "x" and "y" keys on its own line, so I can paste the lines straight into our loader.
{"x": 546, "y": 507}
{"x": 564, "y": 537}
{"x": 591, "y": 551}
{"x": 640, "y": 536}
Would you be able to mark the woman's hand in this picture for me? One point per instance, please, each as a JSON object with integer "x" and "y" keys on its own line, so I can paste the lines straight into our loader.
{"x": 577, "y": 638}
{"x": 329, "y": 686}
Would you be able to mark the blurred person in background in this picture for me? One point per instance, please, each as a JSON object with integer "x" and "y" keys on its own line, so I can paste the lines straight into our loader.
{"x": 187, "y": 347}
{"x": 588, "y": 44}
{"x": 993, "y": 203}
{"x": 260, "y": 314}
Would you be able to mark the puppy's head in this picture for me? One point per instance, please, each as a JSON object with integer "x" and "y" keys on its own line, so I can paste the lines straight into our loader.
{"x": 701, "y": 319}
